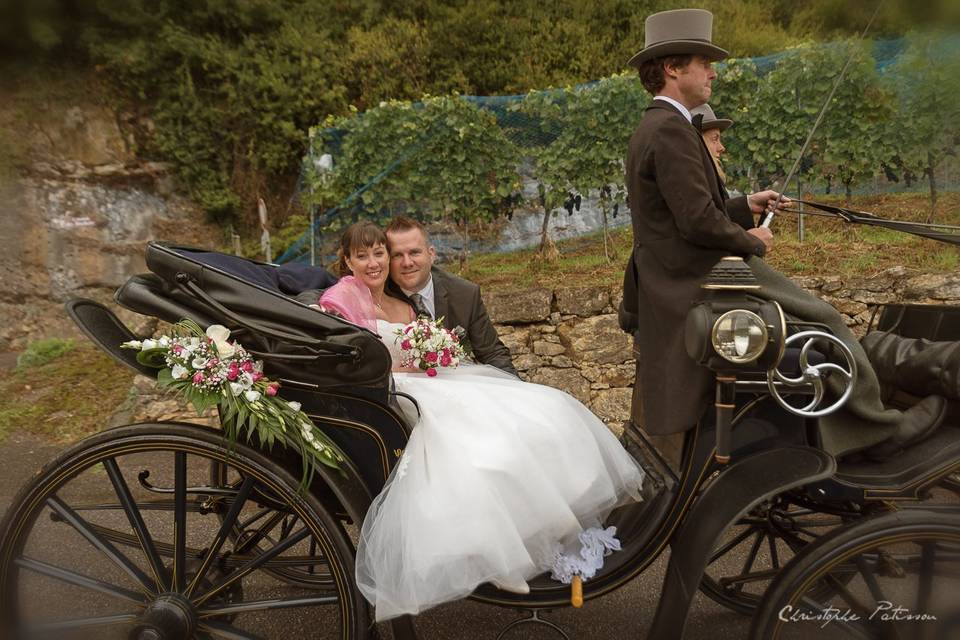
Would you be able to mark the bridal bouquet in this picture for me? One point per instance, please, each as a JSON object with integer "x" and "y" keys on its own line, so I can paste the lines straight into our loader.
{"x": 425, "y": 344}
{"x": 209, "y": 370}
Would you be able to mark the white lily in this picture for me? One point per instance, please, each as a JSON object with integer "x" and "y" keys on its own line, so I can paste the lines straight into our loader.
{"x": 294, "y": 405}
{"x": 199, "y": 363}
{"x": 236, "y": 388}
{"x": 179, "y": 372}
{"x": 252, "y": 395}
{"x": 219, "y": 334}
{"x": 150, "y": 343}
{"x": 133, "y": 344}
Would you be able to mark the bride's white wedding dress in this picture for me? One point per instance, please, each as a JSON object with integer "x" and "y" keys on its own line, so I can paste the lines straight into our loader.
{"x": 501, "y": 480}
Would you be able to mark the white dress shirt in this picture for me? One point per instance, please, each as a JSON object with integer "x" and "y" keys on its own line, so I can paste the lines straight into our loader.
{"x": 683, "y": 109}
{"x": 427, "y": 294}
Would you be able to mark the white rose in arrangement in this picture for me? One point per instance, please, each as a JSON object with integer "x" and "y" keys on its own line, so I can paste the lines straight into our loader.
{"x": 219, "y": 334}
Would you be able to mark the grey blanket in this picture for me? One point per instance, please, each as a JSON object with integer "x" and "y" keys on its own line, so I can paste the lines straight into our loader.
{"x": 863, "y": 421}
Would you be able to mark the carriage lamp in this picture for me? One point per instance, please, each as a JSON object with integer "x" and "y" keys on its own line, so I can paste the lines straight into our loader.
{"x": 739, "y": 336}
{"x": 732, "y": 332}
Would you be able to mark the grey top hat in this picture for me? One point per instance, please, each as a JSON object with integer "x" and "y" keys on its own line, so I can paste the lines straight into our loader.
{"x": 678, "y": 32}
{"x": 709, "y": 119}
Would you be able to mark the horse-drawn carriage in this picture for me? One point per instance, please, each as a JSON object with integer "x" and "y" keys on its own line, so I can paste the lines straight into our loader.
{"x": 167, "y": 530}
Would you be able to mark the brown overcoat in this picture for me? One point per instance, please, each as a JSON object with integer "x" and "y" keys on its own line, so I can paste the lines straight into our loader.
{"x": 682, "y": 225}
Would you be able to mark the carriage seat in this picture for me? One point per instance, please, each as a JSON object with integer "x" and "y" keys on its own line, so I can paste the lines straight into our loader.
{"x": 289, "y": 279}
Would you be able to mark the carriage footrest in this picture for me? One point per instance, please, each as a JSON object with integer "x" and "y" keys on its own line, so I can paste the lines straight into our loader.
{"x": 907, "y": 473}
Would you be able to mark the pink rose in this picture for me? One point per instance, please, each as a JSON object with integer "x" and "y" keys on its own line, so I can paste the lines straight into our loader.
{"x": 247, "y": 366}
{"x": 257, "y": 375}
{"x": 198, "y": 378}
{"x": 431, "y": 372}
{"x": 431, "y": 356}
{"x": 272, "y": 389}
{"x": 408, "y": 328}
{"x": 212, "y": 362}
{"x": 445, "y": 360}
{"x": 177, "y": 349}
{"x": 405, "y": 345}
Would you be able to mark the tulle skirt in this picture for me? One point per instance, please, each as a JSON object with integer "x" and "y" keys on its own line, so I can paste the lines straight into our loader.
{"x": 499, "y": 477}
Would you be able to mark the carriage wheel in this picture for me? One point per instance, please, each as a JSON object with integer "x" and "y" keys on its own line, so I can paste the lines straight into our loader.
{"x": 754, "y": 550}
{"x": 271, "y": 524}
{"x": 117, "y": 539}
{"x": 895, "y": 575}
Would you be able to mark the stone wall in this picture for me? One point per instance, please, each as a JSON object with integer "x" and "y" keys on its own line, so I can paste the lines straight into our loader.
{"x": 569, "y": 337}
{"x": 77, "y": 217}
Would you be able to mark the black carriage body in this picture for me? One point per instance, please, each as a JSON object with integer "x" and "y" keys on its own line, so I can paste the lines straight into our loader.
{"x": 338, "y": 371}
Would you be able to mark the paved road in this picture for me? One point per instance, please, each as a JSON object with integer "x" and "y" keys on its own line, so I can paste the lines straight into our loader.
{"x": 621, "y": 615}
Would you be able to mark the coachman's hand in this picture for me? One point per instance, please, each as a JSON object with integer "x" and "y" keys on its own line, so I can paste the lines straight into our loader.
{"x": 765, "y": 235}
{"x": 764, "y": 201}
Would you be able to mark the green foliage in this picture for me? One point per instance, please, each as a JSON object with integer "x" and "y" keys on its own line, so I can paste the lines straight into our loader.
{"x": 586, "y": 130}
{"x": 735, "y": 97}
{"x": 443, "y": 157}
{"x": 775, "y": 118}
{"x": 43, "y": 351}
{"x": 925, "y": 127}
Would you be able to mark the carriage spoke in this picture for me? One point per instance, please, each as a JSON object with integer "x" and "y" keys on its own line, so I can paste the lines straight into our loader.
{"x": 70, "y": 577}
{"x": 870, "y": 579}
{"x": 253, "y": 565}
{"x": 223, "y": 533}
{"x": 774, "y": 554}
{"x": 925, "y": 577}
{"x": 179, "y": 520}
{"x": 44, "y": 630}
{"x": 725, "y": 549}
{"x": 86, "y": 530}
{"x": 243, "y": 524}
{"x": 746, "y": 578}
{"x": 136, "y": 521}
{"x": 260, "y": 534}
{"x": 266, "y": 605}
{"x": 220, "y": 630}
{"x": 751, "y": 558}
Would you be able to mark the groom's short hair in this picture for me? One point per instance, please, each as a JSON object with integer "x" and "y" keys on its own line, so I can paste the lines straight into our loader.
{"x": 402, "y": 223}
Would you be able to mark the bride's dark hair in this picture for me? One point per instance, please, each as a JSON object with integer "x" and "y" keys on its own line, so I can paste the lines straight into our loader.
{"x": 359, "y": 234}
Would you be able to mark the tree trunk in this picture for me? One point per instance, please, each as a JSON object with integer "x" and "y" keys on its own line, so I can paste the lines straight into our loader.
{"x": 466, "y": 241}
{"x": 547, "y": 249}
{"x": 933, "y": 187}
{"x": 608, "y": 251}
{"x": 847, "y": 192}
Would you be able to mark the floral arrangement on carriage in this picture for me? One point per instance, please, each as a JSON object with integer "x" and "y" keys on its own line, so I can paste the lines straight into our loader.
{"x": 207, "y": 369}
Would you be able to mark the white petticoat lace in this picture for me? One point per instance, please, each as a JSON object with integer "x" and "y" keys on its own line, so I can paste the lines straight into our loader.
{"x": 595, "y": 544}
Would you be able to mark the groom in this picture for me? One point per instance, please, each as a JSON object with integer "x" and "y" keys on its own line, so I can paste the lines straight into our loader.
{"x": 436, "y": 293}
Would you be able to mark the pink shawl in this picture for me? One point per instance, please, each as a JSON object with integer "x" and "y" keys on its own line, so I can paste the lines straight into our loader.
{"x": 352, "y": 300}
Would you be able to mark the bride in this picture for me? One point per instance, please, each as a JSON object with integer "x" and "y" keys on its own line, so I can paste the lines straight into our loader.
{"x": 500, "y": 481}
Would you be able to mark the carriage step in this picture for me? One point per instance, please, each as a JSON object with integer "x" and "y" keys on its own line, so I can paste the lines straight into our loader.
{"x": 533, "y": 618}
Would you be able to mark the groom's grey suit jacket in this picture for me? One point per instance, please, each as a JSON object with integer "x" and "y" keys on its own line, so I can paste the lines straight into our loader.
{"x": 459, "y": 303}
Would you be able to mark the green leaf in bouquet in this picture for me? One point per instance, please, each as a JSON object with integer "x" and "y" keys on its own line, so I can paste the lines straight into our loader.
{"x": 155, "y": 358}
{"x": 165, "y": 377}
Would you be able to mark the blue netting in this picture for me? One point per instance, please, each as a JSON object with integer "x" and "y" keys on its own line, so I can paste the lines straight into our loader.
{"x": 526, "y": 132}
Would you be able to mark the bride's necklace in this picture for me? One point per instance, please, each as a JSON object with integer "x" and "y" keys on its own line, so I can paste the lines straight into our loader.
{"x": 377, "y": 302}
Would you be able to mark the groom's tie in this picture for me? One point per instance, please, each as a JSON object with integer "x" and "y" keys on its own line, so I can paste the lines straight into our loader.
{"x": 420, "y": 306}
